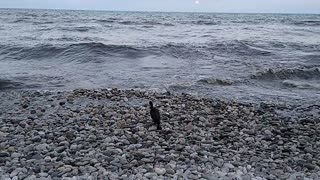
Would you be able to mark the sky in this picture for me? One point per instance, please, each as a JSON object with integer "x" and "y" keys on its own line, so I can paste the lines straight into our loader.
{"x": 231, "y": 6}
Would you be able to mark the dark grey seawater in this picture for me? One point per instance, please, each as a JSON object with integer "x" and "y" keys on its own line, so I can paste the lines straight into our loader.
{"x": 251, "y": 57}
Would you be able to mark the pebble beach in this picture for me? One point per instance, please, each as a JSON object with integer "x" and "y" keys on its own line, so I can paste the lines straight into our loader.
{"x": 109, "y": 134}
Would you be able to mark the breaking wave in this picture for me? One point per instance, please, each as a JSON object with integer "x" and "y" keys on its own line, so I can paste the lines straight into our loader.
{"x": 300, "y": 84}
{"x": 284, "y": 74}
{"x": 215, "y": 81}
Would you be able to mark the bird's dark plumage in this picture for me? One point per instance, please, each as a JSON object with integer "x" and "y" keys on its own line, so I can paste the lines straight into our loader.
{"x": 155, "y": 115}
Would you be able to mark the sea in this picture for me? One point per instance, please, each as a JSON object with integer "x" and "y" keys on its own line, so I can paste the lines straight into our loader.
{"x": 244, "y": 57}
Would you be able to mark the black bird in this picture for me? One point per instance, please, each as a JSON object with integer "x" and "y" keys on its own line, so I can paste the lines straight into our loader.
{"x": 155, "y": 115}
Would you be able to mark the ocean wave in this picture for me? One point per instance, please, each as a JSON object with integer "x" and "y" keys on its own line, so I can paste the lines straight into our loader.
{"x": 19, "y": 21}
{"x": 215, "y": 81}
{"x": 202, "y": 22}
{"x": 27, "y": 53}
{"x": 104, "y": 50}
{"x": 159, "y": 23}
{"x": 287, "y": 74}
{"x": 300, "y": 84}
{"x": 178, "y": 86}
{"x": 94, "y": 50}
{"x": 82, "y": 52}
{"x": 307, "y": 23}
{"x": 108, "y": 20}
{"x": 313, "y": 59}
{"x": 7, "y": 84}
{"x": 240, "y": 48}
{"x": 145, "y": 23}
{"x": 304, "y": 47}
{"x": 79, "y": 29}
{"x": 43, "y": 22}
{"x": 268, "y": 47}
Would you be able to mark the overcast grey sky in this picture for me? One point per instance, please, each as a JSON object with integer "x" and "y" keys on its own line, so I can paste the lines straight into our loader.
{"x": 250, "y": 6}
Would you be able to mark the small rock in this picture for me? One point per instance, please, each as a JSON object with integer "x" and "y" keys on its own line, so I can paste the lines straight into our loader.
{"x": 192, "y": 176}
{"x": 41, "y": 133}
{"x": 254, "y": 159}
{"x": 36, "y": 139}
{"x": 62, "y": 103}
{"x": 268, "y": 132}
{"x": 14, "y": 173}
{"x": 73, "y": 147}
{"x": 31, "y": 177}
{"x": 202, "y": 119}
{"x": 15, "y": 155}
{"x": 170, "y": 171}
{"x": 246, "y": 177}
{"x": 150, "y": 175}
{"x": 189, "y": 127}
{"x": 42, "y": 147}
{"x": 160, "y": 171}
{"x": 25, "y": 106}
{"x": 249, "y": 139}
{"x": 60, "y": 149}
{"x": 4, "y": 154}
{"x": 43, "y": 174}
{"x": 65, "y": 169}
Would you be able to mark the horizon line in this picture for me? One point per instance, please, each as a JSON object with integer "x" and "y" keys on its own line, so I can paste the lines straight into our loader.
{"x": 153, "y": 11}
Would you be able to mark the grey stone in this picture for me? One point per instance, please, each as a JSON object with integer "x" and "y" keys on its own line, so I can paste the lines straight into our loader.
{"x": 74, "y": 147}
{"x": 268, "y": 132}
{"x": 170, "y": 171}
{"x": 202, "y": 119}
{"x": 250, "y": 139}
{"x": 4, "y": 154}
{"x": 160, "y": 171}
{"x": 65, "y": 168}
{"x": 150, "y": 175}
{"x": 254, "y": 159}
{"x": 16, "y": 155}
{"x": 42, "y": 147}
{"x": 60, "y": 149}
{"x": 43, "y": 174}
{"x": 36, "y": 139}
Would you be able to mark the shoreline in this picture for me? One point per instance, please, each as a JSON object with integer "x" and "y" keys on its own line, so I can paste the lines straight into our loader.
{"x": 100, "y": 133}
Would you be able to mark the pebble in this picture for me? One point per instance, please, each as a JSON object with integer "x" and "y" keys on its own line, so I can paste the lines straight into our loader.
{"x": 42, "y": 147}
{"x": 62, "y": 103}
{"x": 202, "y": 119}
{"x": 36, "y": 139}
{"x": 43, "y": 174}
{"x": 170, "y": 171}
{"x": 268, "y": 132}
{"x": 150, "y": 175}
{"x": 160, "y": 171}
{"x": 15, "y": 155}
{"x": 4, "y": 154}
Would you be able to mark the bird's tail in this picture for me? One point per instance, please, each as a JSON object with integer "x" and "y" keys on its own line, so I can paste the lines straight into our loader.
{"x": 159, "y": 127}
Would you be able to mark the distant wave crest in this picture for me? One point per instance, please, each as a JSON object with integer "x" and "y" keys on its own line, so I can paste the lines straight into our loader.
{"x": 284, "y": 74}
{"x": 307, "y": 23}
{"x": 216, "y": 81}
